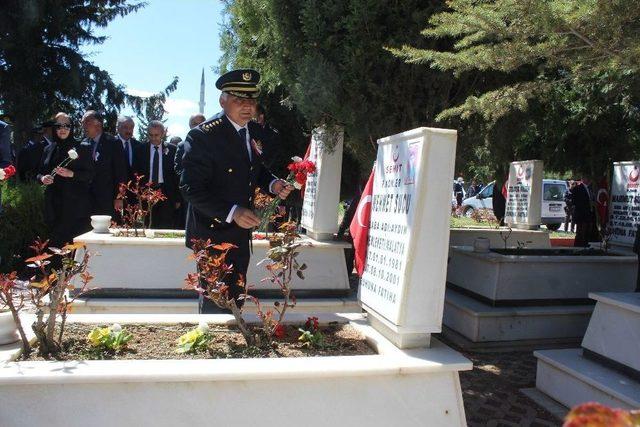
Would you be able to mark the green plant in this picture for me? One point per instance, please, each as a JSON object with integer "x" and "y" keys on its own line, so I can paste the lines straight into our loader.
{"x": 21, "y": 222}
{"x": 195, "y": 340}
{"x": 311, "y": 335}
{"x": 111, "y": 338}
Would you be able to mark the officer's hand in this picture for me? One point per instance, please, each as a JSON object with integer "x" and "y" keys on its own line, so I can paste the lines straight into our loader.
{"x": 47, "y": 180}
{"x": 245, "y": 218}
{"x": 282, "y": 189}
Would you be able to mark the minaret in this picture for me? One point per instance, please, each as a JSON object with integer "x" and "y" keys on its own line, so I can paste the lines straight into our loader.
{"x": 202, "y": 103}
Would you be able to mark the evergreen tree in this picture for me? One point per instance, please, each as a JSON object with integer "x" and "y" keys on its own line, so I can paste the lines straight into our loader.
{"x": 328, "y": 60}
{"x": 569, "y": 92}
{"x": 42, "y": 69}
{"x": 151, "y": 108}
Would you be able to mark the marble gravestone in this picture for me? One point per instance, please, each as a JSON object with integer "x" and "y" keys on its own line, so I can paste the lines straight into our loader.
{"x": 624, "y": 211}
{"x": 322, "y": 191}
{"x": 403, "y": 284}
{"x": 524, "y": 195}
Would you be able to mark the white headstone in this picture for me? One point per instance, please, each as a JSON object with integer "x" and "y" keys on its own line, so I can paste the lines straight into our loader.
{"x": 322, "y": 192}
{"x": 403, "y": 284}
{"x": 524, "y": 194}
{"x": 624, "y": 212}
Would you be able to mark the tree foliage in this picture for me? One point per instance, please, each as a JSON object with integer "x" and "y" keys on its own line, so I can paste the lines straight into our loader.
{"x": 569, "y": 92}
{"x": 149, "y": 108}
{"x": 328, "y": 59}
{"x": 43, "y": 70}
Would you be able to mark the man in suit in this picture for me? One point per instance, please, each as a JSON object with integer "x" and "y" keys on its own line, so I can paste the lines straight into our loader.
{"x": 222, "y": 166}
{"x": 582, "y": 212}
{"x": 154, "y": 160}
{"x": 129, "y": 144}
{"x": 110, "y": 166}
{"x": 30, "y": 154}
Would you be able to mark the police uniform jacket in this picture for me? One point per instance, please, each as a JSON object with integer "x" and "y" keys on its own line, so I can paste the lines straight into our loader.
{"x": 217, "y": 174}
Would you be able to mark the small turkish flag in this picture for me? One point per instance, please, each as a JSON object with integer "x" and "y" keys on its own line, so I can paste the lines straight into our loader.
{"x": 359, "y": 228}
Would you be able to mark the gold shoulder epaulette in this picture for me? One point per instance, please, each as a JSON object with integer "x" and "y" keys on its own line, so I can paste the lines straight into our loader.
{"x": 209, "y": 126}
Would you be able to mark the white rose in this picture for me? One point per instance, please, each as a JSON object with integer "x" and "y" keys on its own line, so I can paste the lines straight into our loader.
{"x": 3, "y": 175}
{"x": 296, "y": 159}
{"x": 73, "y": 154}
{"x": 297, "y": 185}
{"x": 115, "y": 328}
{"x": 203, "y": 327}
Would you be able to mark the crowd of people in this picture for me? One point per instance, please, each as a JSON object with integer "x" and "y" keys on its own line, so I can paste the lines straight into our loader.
{"x": 88, "y": 184}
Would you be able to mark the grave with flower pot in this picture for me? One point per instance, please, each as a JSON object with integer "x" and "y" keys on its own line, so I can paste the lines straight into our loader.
{"x": 411, "y": 379}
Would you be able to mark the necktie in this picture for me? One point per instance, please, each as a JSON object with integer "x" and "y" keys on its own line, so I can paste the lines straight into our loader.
{"x": 155, "y": 171}
{"x": 127, "y": 148}
{"x": 243, "y": 136}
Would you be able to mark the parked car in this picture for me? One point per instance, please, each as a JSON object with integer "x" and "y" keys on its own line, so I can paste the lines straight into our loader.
{"x": 552, "y": 210}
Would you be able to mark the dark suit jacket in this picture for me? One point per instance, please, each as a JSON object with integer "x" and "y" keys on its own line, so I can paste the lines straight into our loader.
{"x": 68, "y": 197}
{"x": 134, "y": 146}
{"x": 111, "y": 170}
{"x": 5, "y": 145}
{"x": 582, "y": 204}
{"x": 217, "y": 174}
{"x": 29, "y": 158}
{"x": 142, "y": 158}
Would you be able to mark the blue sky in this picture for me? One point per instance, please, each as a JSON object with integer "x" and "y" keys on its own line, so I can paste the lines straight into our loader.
{"x": 144, "y": 50}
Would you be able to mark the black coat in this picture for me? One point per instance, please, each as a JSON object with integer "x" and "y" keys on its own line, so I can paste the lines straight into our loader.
{"x": 29, "y": 158}
{"x": 217, "y": 174}
{"x": 111, "y": 170}
{"x": 142, "y": 157}
{"x": 68, "y": 198}
{"x": 582, "y": 204}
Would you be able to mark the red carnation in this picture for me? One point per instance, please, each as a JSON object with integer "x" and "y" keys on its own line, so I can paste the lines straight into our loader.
{"x": 7, "y": 172}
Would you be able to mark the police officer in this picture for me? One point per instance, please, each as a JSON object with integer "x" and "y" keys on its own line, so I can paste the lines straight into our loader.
{"x": 222, "y": 166}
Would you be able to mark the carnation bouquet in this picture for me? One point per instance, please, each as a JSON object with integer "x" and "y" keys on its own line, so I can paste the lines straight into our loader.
{"x": 6, "y": 173}
{"x": 298, "y": 171}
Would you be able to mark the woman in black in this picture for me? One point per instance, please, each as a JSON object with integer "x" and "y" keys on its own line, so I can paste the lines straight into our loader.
{"x": 67, "y": 203}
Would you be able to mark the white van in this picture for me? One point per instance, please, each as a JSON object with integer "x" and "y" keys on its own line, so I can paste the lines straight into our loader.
{"x": 553, "y": 213}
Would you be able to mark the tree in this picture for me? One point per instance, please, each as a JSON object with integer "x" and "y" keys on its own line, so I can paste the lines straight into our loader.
{"x": 42, "y": 69}
{"x": 569, "y": 94}
{"x": 151, "y": 108}
{"x": 328, "y": 60}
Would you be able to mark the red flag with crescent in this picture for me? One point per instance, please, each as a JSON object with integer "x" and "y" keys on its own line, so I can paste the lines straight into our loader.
{"x": 359, "y": 228}
{"x": 602, "y": 202}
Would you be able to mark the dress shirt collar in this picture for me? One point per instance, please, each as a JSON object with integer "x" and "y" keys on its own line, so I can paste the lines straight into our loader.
{"x": 236, "y": 126}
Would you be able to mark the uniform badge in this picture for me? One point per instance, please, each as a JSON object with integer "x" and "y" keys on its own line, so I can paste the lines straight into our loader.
{"x": 257, "y": 146}
{"x": 246, "y": 76}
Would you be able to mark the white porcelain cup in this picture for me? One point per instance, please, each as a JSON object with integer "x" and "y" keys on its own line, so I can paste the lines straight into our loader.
{"x": 481, "y": 244}
{"x": 8, "y": 328}
{"x": 100, "y": 223}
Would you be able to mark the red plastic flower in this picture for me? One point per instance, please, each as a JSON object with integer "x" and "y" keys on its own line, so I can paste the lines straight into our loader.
{"x": 279, "y": 331}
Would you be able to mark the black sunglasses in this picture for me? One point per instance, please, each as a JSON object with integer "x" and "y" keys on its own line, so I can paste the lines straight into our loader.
{"x": 62, "y": 126}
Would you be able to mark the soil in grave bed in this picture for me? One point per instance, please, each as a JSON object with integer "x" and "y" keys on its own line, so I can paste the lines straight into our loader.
{"x": 159, "y": 342}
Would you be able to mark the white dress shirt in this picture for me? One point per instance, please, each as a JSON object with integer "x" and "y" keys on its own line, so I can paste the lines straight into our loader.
{"x": 247, "y": 141}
